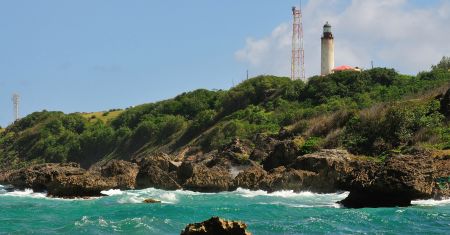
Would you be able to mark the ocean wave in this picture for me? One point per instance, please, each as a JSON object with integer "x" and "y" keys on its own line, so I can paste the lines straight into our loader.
{"x": 138, "y": 196}
{"x": 116, "y": 226}
{"x": 287, "y": 194}
{"x": 112, "y": 192}
{"x": 25, "y": 193}
{"x": 431, "y": 202}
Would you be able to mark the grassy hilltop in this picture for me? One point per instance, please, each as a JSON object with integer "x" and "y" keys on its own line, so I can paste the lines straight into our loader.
{"x": 370, "y": 113}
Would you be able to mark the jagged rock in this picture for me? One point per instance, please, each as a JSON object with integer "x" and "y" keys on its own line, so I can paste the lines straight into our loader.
{"x": 37, "y": 177}
{"x": 69, "y": 180}
{"x": 198, "y": 177}
{"x": 4, "y": 176}
{"x": 216, "y": 226}
{"x": 250, "y": 178}
{"x": 441, "y": 177}
{"x": 335, "y": 169}
{"x": 283, "y": 154}
{"x": 396, "y": 182}
{"x": 282, "y": 178}
{"x": 263, "y": 146}
{"x": 151, "y": 201}
{"x": 157, "y": 171}
{"x": 122, "y": 173}
{"x": 445, "y": 104}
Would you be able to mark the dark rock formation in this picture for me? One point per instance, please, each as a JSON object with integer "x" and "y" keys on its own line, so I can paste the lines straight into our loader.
{"x": 250, "y": 178}
{"x": 445, "y": 104}
{"x": 151, "y": 201}
{"x": 264, "y": 145}
{"x": 397, "y": 181}
{"x": 37, "y": 177}
{"x": 282, "y": 178}
{"x": 157, "y": 171}
{"x": 69, "y": 180}
{"x": 283, "y": 154}
{"x": 216, "y": 226}
{"x": 198, "y": 177}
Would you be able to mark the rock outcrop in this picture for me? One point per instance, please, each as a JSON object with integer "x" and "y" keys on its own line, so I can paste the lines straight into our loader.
{"x": 198, "y": 177}
{"x": 397, "y": 181}
{"x": 250, "y": 178}
{"x": 69, "y": 180}
{"x": 393, "y": 182}
{"x": 157, "y": 171}
{"x": 216, "y": 226}
{"x": 283, "y": 154}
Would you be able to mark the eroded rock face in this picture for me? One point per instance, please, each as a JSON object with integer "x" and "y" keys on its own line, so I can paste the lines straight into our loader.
{"x": 283, "y": 154}
{"x": 69, "y": 180}
{"x": 282, "y": 178}
{"x": 216, "y": 226}
{"x": 157, "y": 171}
{"x": 396, "y": 182}
{"x": 250, "y": 178}
{"x": 198, "y": 177}
{"x": 121, "y": 173}
{"x": 37, "y": 177}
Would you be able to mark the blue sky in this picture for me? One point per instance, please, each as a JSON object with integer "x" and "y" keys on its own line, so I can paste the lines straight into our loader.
{"x": 88, "y": 55}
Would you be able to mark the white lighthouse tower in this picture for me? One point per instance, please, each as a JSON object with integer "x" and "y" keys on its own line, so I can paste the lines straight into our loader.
{"x": 327, "y": 59}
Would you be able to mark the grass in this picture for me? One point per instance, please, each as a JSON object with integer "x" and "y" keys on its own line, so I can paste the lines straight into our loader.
{"x": 103, "y": 116}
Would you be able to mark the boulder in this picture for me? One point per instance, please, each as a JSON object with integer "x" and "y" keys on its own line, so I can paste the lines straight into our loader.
{"x": 441, "y": 177}
{"x": 445, "y": 104}
{"x": 282, "y": 178}
{"x": 250, "y": 178}
{"x": 396, "y": 182}
{"x": 69, "y": 180}
{"x": 121, "y": 173}
{"x": 37, "y": 177}
{"x": 158, "y": 172}
{"x": 151, "y": 201}
{"x": 334, "y": 169}
{"x": 198, "y": 177}
{"x": 283, "y": 154}
{"x": 4, "y": 177}
{"x": 216, "y": 226}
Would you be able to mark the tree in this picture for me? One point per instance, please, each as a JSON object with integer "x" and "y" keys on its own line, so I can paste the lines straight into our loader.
{"x": 444, "y": 64}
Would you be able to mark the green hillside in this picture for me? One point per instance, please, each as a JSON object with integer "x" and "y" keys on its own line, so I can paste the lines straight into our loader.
{"x": 371, "y": 113}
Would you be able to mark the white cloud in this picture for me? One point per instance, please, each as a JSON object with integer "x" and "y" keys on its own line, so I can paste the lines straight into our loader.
{"x": 392, "y": 33}
{"x": 270, "y": 55}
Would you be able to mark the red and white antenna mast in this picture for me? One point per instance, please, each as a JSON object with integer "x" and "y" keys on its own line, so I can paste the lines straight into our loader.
{"x": 298, "y": 53}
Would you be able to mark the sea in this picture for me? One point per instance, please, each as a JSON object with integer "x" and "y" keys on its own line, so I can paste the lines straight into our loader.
{"x": 283, "y": 212}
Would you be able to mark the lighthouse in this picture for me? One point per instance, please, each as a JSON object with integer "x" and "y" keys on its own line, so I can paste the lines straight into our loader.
{"x": 327, "y": 55}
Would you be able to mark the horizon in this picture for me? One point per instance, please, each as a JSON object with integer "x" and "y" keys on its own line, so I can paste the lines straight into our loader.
{"x": 64, "y": 56}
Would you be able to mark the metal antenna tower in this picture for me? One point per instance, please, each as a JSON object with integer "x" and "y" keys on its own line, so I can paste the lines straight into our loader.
{"x": 16, "y": 100}
{"x": 298, "y": 53}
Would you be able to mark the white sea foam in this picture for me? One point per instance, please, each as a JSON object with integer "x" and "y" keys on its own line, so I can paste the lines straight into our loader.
{"x": 116, "y": 225}
{"x": 25, "y": 193}
{"x": 431, "y": 202}
{"x": 287, "y": 194}
{"x": 138, "y": 196}
{"x": 112, "y": 192}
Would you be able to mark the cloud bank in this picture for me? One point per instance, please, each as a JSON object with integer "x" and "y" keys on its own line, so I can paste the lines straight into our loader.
{"x": 392, "y": 33}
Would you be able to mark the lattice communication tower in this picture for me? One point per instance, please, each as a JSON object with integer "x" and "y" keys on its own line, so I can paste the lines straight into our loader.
{"x": 298, "y": 53}
{"x": 16, "y": 100}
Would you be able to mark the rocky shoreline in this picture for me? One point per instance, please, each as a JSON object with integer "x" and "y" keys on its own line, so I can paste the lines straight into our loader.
{"x": 394, "y": 182}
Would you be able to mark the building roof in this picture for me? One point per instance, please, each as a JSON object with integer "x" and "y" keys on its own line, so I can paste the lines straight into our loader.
{"x": 343, "y": 68}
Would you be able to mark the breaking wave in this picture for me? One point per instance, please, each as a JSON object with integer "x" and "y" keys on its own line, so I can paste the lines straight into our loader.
{"x": 22, "y": 193}
{"x": 431, "y": 202}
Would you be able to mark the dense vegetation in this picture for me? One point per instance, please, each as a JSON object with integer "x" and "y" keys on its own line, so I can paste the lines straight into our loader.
{"x": 372, "y": 112}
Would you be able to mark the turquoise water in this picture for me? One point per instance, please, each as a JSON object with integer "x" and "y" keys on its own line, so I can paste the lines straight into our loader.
{"x": 285, "y": 212}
